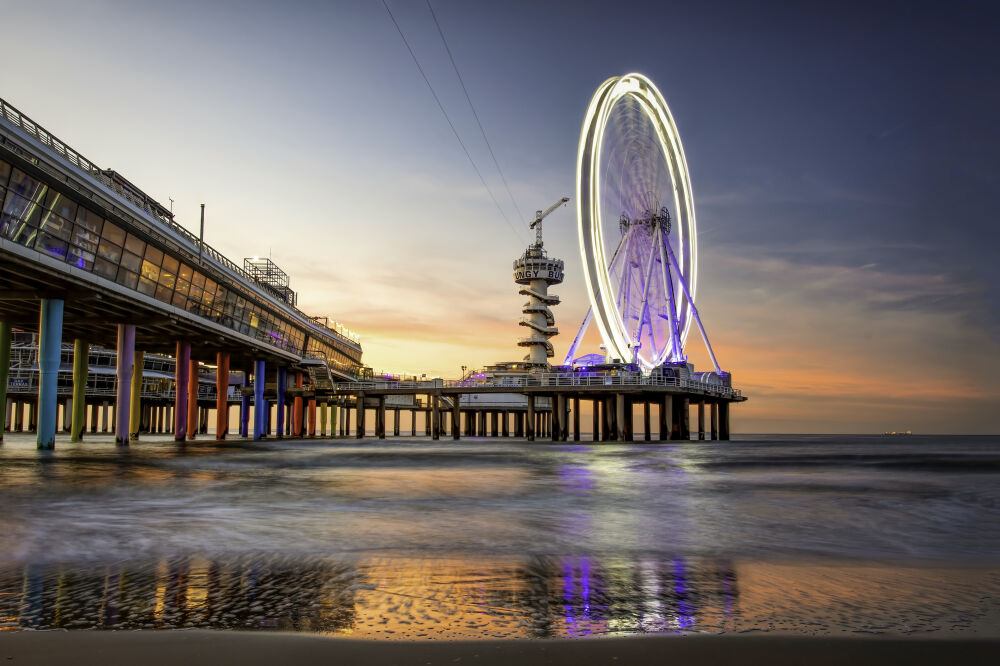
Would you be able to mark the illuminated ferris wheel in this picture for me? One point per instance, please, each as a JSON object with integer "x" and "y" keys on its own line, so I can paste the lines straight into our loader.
{"x": 637, "y": 230}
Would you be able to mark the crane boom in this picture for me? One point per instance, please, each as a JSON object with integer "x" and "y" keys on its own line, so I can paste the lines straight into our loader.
{"x": 540, "y": 215}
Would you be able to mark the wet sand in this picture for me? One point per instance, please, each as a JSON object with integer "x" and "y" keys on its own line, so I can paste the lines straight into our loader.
{"x": 192, "y": 648}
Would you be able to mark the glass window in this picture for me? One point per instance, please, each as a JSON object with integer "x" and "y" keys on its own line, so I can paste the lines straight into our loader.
{"x": 182, "y": 287}
{"x": 127, "y": 278}
{"x": 85, "y": 238}
{"x": 81, "y": 258}
{"x": 27, "y": 186}
{"x": 163, "y": 293}
{"x": 89, "y": 219}
{"x": 196, "y": 294}
{"x": 17, "y": 210}
{"x": 60, "y": 205}
{"x": 179, "y": 300}
{"x": 150, "y": 271}
{"x": 113, "y": 233}
{"x": 57, "y": 226}
{"x": 131, "y": 261}
{"x": 198, "y": 280}
{"x": 4, "y": 172}
{"x": 154, "y": 255}
{"x": 168, "y": 272}
{"x": 109, "y": 251}
{"x": 146, "y": 286}
{"x": 134, "y": 244}
{"x": 105, "y": 268}
{"x": 185, "y": 272}
{"x": 52, "y": 245}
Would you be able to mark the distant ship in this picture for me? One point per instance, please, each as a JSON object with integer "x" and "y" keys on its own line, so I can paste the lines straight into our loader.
{"x": 900, "y": 433}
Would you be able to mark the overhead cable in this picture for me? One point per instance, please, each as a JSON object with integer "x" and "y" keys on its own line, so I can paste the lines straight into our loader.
{"x": 473, "y": 107}
{"x": 448, "y": 118}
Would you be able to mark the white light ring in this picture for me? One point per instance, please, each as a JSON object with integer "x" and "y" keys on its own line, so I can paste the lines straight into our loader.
{"x": 609, "y": 319}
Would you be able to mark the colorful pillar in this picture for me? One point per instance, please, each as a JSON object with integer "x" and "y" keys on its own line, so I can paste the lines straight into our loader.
{"x": 245, "y": 406}
{"x": 135, "y": 413}
{"x": 182, "y": 362}
{"x": 312, "y": 417}
{"x": 322, "y": 419}
{"x": 50, "y": 323}
{"x": 81, "y": 354}
{"x": 192, "y": 399}
{"x": 126, "y": 356}
{"x": 221, "y": 395}
{"x": 280, "y": 416}
{"x": 4, "y": 372}
{"x": 297, "y": 407}
{"x": 259, "y": 407}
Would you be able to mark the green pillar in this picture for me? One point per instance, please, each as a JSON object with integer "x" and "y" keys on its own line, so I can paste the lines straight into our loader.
{"x": 135, "y": 415}
{"x": 4, "y": 371}
{"x": 81, "y": 352}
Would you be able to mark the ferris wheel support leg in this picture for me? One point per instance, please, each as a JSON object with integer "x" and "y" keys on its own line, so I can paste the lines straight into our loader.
{"x": 645, "y": 296}
{"x": 668, "y": 289}
{"x": 694, "y": 309}
{"x": 579, "y": 336}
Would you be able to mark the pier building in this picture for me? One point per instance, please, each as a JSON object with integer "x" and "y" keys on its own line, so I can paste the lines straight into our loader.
{"x": 87, "y": 256}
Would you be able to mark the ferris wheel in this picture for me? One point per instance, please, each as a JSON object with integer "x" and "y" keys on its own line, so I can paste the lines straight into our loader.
{"x": 637, "y": 232}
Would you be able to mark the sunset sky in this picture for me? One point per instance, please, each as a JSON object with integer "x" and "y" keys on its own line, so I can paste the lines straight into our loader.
{"x": 845, "y": 167}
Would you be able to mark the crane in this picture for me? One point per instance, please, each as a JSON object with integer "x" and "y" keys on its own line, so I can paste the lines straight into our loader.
{"x": 540, "y": 215}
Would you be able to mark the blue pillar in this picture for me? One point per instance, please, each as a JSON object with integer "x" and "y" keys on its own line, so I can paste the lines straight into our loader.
{"x": 259, "y": 407}
{"x": 280, "y": 416}
{"x": 245, "y": 406}
{"x": 49, "y": 349}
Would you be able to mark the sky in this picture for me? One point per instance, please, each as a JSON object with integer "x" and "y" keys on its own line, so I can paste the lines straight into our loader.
{"x": 845, "y": 163}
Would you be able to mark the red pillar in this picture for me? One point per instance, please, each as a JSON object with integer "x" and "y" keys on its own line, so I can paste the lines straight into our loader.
{"x": 222, "y": 395}
{"x": 297, "y": 408}
{"x": 192, "y": 415}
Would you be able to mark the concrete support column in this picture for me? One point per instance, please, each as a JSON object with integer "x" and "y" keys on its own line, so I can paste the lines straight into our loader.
{"x": 347, "y": 420}
{"x": 105, "y": 408}
{"x": 558, "y": 413}
{"x": 49, "y": 349}
{"x": 664, "y": 409}
{"x": 607, "y": 418}
{"x": 724, "y": 420}
{"x": 280, "y": 402}
{"x": 182, "y": 368}
{"x": 33, "y": 416}
{"x": 135, "y": 408}
{"x": 494, "y": 423}
{"x": 17, "y": 425}
{"x": 701, "y": 419}
{"x": 395, "y": 423}
{"x": 435, "y": 417}
{"x": 81, "y": 355}
{"x": 312, "y": 416}
{"x": 645, "y": 421}
{"x": 530, "y": 419}
{"x": 259, "y": 405}
{"x": 161, "y": 418}
{"x": 221, "y": 395}
{"x": 481, "y": 423}
{"x": 126, "y": 356}
{"x": 504, "y": 428}
{"x": 192, "y": 401}
{"x": 67, "y": 409}
{"x": 714, "y": 420}
{"x": 576, "y": 419}
{"x": 618, "y": 432}
{"x": 94, "y": 411}
{"x": 456, "y": 417}
{"x": 380, "y": 418}
{"x": 360, "y": 398}
{"x": 685, "y": 418}
{"x": 4, "y": 376}
{"x": 322, "y": 419}
{"x": 595, "y": 433}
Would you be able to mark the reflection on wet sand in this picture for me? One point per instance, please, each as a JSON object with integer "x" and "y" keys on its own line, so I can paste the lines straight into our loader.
{"x": 418, "y": 598}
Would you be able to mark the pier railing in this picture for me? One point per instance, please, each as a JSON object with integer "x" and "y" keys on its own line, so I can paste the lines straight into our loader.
{"x": 541, "y": 380}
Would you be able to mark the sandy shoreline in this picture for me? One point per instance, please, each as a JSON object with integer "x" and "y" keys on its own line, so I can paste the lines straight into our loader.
{"x": 191, "y": 648}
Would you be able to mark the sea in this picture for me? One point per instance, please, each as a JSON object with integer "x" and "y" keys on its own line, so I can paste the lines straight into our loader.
{"x": 409, "y": 538}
